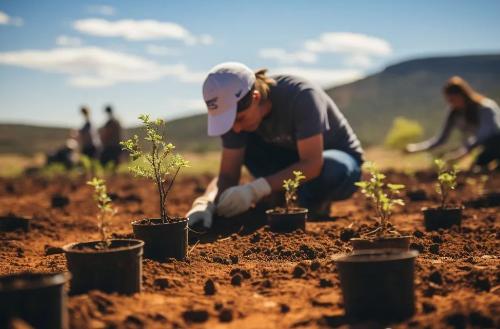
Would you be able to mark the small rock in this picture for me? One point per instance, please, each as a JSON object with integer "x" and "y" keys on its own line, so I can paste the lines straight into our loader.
{"x": 418, "y": 234}
{"x": 434, "y": 249}
{"x": 226, "y": 315}
{"x": 417, "y": 246}
{"x": 428, "y": 307}
{"x": 234, "y": 259}
{"x": 163, "y": 282}
{"x": 435, "y": 277}
{"x": 51, "y": 250}
{"x": 236, "y": 279}
{"x": 218, "y": 306}
{"x": 324, "y": 283}
{"x": 284, "y": 308}
{"x": 482, "y": 283}
{"x": 346, "y": 234}
{"x": 210, "y": 287}
{"x": 315, "y": 265}
{"x": 299, "y": 271}
{"x": 195, "y": 316}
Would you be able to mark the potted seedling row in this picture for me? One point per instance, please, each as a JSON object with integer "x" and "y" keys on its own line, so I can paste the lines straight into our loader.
{"x": 11, "y": 223}
{"x": 485, "y": 197}
{"x": 108, "y": 265}
{"x": 383, "y": 236}
{"x": 165, "y": 237}
{"x": 443, "y": 216}
{"x": 377, "y": 285}
{"x": 37, "y": 299}
{"x": 415, "y": 192}
{"x": 291, "y": 217}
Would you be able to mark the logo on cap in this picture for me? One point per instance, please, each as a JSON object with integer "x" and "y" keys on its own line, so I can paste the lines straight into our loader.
{"x": 239, "y": 93}
{"x": 211, "y": 103}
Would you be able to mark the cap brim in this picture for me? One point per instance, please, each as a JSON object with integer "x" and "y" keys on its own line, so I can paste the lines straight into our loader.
{"x": 222, "y": 123}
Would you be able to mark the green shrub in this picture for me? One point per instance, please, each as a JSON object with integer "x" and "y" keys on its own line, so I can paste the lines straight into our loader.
{"x": 403, "y": 132}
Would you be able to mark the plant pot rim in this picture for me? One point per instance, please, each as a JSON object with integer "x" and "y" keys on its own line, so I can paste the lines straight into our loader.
{"x": 489, "y": 192}
{"x": 299, "y": 210}
{"x": 16, "y": 217}
{"x": 438, "y": 208}
{"x": 31, "y": 281}
{"x": 374, "y": 255}
{"x": 136, "y": 222}
{"x": 69, "y": 248}
{"x": 381, "y": 239}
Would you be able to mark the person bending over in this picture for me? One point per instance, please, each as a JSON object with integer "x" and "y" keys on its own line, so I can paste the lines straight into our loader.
{"x": 274, "y": 126}
{"x": 478, "y": 119}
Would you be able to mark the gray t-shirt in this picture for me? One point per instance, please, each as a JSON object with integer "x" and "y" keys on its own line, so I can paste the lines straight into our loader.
{"x": 301, "y": 110}
{"x": 472, "y": 134}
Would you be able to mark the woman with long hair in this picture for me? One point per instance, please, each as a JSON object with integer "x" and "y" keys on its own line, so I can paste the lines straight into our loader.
{"x": 477, "y": 117}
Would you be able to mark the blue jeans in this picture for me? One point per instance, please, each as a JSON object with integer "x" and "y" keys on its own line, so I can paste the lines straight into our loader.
{"x": 335, "y": 182}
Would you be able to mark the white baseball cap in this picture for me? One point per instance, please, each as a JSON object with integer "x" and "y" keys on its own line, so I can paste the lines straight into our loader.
{"x": 224, "y": 86}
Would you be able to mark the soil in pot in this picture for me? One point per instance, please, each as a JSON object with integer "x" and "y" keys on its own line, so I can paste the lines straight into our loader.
{"x": 437, "y": 217}
{"x": 37, "y": 299}
{"x": 417, "y": 195}
{"x": 11, "y": 223}
{"x": 59, "y": 201}
{"x": 389, "y": 242}
{"x": 377, "y": 285}
{"x": 163, "y": 240}
{"x": 116, "y": 267}
{"x": 282, "y": 221}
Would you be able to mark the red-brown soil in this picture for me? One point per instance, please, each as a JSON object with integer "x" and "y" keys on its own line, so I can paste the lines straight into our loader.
{"x": 241, "y": 275}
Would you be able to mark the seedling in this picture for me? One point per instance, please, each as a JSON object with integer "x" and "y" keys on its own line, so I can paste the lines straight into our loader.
{"x": 159, "y": 163}
{"x": 477, "y": 185}
{"x": 446, "y": 181}
{"x": 103, "y": 202}
{"x": 374, "y": 190}
{"x": 291, "y": 187}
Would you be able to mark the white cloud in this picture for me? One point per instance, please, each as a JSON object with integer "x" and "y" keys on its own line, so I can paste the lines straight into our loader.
{"x": 65, "y": 41}
{"x": 97, "y": 67}
{"x": 8, "y": 20}
{"x": 134, "y": 30}
{"x": 162, "y": 50}
{"x": 206, "y": 39}
{"x": 353, "y": 43}
{"x": 101, "y": 10}
{"x": 323, "y": 77}
{"x": 285, "y": 57}
{"x": 192, "y": 105}
{"x": 360, "y": 60}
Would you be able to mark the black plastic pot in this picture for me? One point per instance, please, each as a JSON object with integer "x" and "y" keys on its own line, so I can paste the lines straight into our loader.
{"x": 417, "y": 195}
{"x": 492, "y": 198}
{"x": 37, "y": 299}
{"x": 115, "y": 269}
{"x": 400, "y": 242}
{"x": 59, "y": 201}
{"x": 162, "y": 241}
{"x": 436, "y": 218}
{"x": 377, "y": 285}
{"x": 11, "y": 223}
{"x": 280, "y": 221}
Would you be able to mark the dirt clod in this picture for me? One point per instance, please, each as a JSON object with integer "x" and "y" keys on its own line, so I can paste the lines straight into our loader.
{"x": 210, "y": 287}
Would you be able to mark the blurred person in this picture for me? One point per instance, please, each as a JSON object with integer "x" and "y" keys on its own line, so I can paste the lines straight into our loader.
{"x": 111, "y": 136}
{"x": 65, "y": 155}
{"x": 274, "y": 126}
{"x": 86, "y": 136}
{"x": 477, "y": 118}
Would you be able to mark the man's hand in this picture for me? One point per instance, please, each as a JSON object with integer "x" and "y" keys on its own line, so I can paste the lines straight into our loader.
{"x": 238, "y": 199}
{"x": 456, "y": 155}
{"x": 411, "y": 148}
{"x": 201, "y": 212}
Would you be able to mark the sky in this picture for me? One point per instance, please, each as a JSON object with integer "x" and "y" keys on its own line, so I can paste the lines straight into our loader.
{"x": 153, "y": 56}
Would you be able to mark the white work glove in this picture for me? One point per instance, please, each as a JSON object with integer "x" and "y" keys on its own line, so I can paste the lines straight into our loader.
{"x": 202, "y": 210}
{"x": 238, "y": 199}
